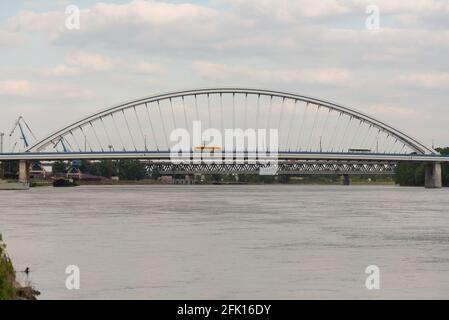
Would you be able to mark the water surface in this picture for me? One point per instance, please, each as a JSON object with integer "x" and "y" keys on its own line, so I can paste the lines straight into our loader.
{"x": 230, "y": 242}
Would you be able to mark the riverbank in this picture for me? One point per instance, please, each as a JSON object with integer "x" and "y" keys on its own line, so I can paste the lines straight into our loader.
{"x": 10, "y": 289}
{"x": 308, "y": 180}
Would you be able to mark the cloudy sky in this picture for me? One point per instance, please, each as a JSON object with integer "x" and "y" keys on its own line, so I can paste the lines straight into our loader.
{"x": 128, "y": 49}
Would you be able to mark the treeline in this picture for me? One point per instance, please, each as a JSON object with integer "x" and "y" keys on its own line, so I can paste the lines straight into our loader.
{"x": 413, "y": 174}
{"x": 124, "y": 169}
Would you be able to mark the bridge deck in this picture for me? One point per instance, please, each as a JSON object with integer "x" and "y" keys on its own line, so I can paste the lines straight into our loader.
{"x": 165, "y": 155}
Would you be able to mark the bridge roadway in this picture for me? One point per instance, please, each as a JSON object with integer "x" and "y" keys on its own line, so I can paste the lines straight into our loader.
{"x": 165, "y": 155}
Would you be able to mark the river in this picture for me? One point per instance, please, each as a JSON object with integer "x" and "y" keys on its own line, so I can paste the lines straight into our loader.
{"x": 230, "y": 242}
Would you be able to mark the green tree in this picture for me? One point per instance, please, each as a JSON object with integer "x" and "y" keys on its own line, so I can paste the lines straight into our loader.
{"x": 7, "y": 274}
{"x": 132, "y": 170}
{"x": 60, "y": 167}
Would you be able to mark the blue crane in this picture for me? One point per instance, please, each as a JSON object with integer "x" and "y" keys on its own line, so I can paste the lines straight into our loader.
{"x": 22, "y": 125}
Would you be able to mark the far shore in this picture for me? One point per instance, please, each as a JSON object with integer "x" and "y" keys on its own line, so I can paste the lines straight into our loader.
{"x": 358, "y": 182}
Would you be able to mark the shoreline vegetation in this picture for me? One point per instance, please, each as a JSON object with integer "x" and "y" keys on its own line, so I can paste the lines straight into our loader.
{"x": 10, "y": 288}
{"x": 134, "y": 172}
{"x": 295, "y": 181}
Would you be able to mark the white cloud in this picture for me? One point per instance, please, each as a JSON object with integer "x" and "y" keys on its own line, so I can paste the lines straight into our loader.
{"x": 153, "y": 18}
{"x": 9, "y": 38}
{"x": 15, "y": 88}
{"x": 386, "y": 112}
{"x": 79, "y": 62}
{"x": 148, "y": 68}
{"x": 89, "y": 61}
{"x": 271, "y": 43}
{"x": 62, "y": 70}
{"x": 295, "y": 11}
{"x": 51, "y": 22}
{"x": 222, "y": 72}
{"x": 154, "y": 26}
{"x": 43, "y": 91}
{"x": 431, "y": 80}
{"x": 289, "y": 11}
{"x": 406, "y": 6}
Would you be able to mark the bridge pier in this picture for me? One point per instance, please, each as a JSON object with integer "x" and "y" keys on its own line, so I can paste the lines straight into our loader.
{"x": 24, "y": 173}
{"x": 346, "y": 180}
{"x": 434, "y": 178}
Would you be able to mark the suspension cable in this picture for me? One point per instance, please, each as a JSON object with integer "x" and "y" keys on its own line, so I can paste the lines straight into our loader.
{"x": 96, "y": 136}
{"x": 68, "y": 143}
{"x": 140, "y": 129}
{"x": 313, "y": 129}
{"x": 118, "y": 131}
{"x": 282, "y": 113}
{"x": 163, "y": 124}
{"x": 246, "y": 111}
{"x": 324, "y": 128}
{"x": 233, "y": 111}
{"x": 302, "y": 126}
{"x": 366, "y": 136}
{"x": 185, "y": 113}
{"x": 257, "y": 115}
{"x": 196, "y": 109}
{"x": 269, "y": 113}
{"x": 76, "y": 141}
{"x": 86, "y": 141}
{"x": 151, "y": 126}
{"x": 107, "y": 134}
{"x": 208, "y": 111}
{"x": 341, "y": 146}
{"x": 129, "y": 130}
{"x": 287, "y": 143}
{"x": 334, "y": 132}
{"x": 221, "y": 113}
{"x": 173, "y": 114}
{"x": 351, "y": 145}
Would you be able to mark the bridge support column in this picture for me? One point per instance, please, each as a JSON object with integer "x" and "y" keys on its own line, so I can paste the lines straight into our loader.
{"x": 346, "y": 180}
{"x": 434, "y": 178}
{"x": 24, "y": 174}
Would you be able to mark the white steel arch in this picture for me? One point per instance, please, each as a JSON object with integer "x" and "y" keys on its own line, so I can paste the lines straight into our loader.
{"x": 61, "y": 138}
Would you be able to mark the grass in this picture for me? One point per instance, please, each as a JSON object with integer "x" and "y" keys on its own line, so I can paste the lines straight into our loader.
{"x": 7, "y": 275}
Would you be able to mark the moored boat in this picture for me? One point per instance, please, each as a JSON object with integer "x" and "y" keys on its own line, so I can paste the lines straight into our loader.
{"x": 62, "y": 182}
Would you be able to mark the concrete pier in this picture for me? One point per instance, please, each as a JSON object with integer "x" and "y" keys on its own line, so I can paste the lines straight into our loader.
{"x": 24, "y": 174}
{"x": 434, "y": 178}
{"x": 346, "y": 180}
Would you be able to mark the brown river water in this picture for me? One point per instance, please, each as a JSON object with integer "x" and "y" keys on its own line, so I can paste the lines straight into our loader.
{"x": 230, "y": 242}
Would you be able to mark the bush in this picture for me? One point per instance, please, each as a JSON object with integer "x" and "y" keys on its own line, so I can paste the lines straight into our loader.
{"x": 7, "y": 274}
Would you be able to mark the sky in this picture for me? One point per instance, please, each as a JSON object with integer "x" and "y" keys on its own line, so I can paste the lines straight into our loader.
{"x": 123, "y": 50}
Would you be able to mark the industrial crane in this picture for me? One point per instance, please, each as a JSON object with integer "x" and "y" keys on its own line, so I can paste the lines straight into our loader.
{"x": 23, "y": 127}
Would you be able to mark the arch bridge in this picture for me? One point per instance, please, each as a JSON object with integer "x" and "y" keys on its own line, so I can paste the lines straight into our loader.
{"x": 313, "y": 136}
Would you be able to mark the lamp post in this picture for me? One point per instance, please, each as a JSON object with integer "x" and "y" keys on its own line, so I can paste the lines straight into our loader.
{"x": 2, "y": 173}
{"x": 1, "y": 141}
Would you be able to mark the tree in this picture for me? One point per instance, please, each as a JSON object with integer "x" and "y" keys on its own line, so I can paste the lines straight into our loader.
{"x": 131, "y": 170}
{"x": 7, "y": 274}
{"x": 60, "y": 167}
